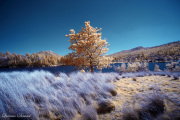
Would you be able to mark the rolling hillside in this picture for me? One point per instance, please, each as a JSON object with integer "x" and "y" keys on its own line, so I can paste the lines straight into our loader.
{"x": 165, "y": 52}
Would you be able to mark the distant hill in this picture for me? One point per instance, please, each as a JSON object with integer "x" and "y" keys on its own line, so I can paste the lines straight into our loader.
{"x": 44, "y": 53}
{"x": 164, "y": 52}
{"x": 128, "y": 51}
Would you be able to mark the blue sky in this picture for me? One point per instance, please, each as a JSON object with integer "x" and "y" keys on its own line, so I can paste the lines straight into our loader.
{"x": 41, "y": 25}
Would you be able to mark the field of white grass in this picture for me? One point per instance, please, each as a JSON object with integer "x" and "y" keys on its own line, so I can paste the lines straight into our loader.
{"x": 40, "y": 95}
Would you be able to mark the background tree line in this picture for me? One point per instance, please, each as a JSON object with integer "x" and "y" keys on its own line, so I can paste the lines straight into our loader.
{"x": 34, "y": 60}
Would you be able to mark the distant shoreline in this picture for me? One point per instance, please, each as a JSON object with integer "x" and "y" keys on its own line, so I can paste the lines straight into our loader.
{"x": 147, "y": 62}
{"x": 66, "y": 65}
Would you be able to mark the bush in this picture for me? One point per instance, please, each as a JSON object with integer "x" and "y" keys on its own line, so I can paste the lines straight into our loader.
{"x": 132, "y": 67}
{"x": 105, "y": 106}
{"x": 157, "y": 68}
{"x": 134, "y": 79}
{"x": 113, "y": 92}
{"x": 173, "y": 66}
{"x": 89, "y": 114}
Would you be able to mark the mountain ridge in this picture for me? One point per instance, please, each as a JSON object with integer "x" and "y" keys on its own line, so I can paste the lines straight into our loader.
{"x": 141, "y": 48}
{"x": 169, "y": 51}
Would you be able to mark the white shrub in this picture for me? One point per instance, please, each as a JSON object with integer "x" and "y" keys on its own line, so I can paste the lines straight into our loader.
{"x": 121, "y": 68}
{"x": 173, "y": 66}
{"x": 157, "y": 68}
{"x": 133, "y": 67}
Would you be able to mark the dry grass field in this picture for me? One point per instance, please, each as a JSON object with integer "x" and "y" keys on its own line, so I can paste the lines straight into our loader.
{"x": 136, "y": 93}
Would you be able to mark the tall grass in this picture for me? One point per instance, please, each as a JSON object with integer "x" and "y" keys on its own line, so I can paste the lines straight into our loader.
{"x": 42, "y": 95}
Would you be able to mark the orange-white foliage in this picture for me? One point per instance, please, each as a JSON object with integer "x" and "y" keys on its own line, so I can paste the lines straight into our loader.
{"x": 89, "y": 48}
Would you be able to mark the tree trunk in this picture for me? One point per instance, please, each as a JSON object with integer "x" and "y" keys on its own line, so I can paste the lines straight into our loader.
{"x": 91, "y": 66}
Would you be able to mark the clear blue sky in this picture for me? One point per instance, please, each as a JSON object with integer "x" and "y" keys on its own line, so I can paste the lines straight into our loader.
{"x": 41, "y": 25}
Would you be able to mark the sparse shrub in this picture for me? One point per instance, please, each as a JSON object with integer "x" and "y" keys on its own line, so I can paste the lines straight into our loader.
{"x": 130, "y": 115}
{"x": 169, "y": 75}
{"x": 170, "y": 115}
{"x": 89, "y": 114}
{"x": 113, "y": 92}
{"x": 155, "y": 107}
{"x": 134, "y": 79}
{"x": 123, "y": 76}
{"x": 163, "y": 74}
{"x": 175, "y": 77}
{"x": 105, "y": 106}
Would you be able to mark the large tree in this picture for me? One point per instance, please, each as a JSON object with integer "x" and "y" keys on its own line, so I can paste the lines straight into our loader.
{"x": 88, "y": 48}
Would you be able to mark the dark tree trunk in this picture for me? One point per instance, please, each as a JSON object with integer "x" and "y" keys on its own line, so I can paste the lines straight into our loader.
{"x": 91, "y": 66}
{"x": 92, "y": 69}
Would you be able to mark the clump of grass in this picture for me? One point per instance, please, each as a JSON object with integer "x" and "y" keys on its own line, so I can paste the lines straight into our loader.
{"x": 163, "y": 74}
{"x": 105, "y": 106}
{"x": 154, "y": 107}
{"x": 134, "y": 79}
{"x": 175, "y": 77}
{"x": 113, "y": 92}
{"x": 170, "y": 115}
{"x": 131, "y": 115}
{"x": 89, "y": 114}
{"x": 169, "y": 75}
{"x": 117, "y": 78}
{"x": 173, "y": 109}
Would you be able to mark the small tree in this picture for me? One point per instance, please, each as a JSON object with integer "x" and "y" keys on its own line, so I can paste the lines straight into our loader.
{"x": 1, "y": 54}
{"x": 27, "y": 54}
{"x": 39, "y": 62}
{"x": 89, "y": 48}
{"x": 19, "y": 60}
{"x": 26, "y": 61}
{"x": 0, "y": 62}
{"x": 7, "y": 53}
